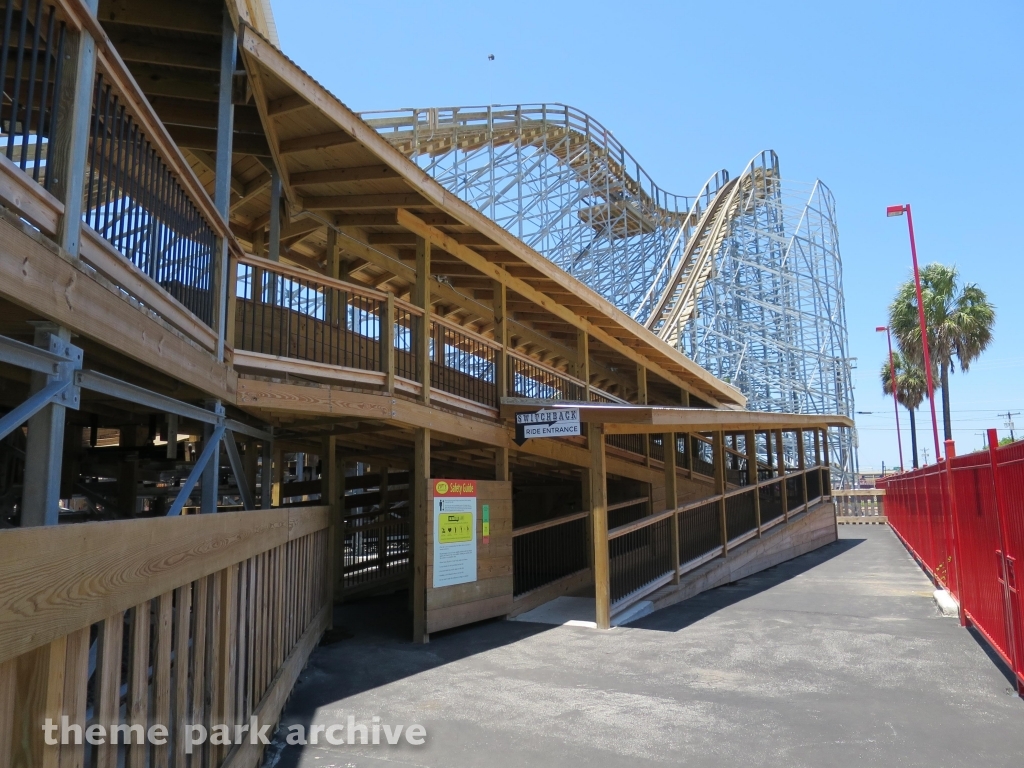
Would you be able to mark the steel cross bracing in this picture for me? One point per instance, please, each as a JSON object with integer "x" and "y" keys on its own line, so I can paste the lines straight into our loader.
{"x": 740, "y": 276}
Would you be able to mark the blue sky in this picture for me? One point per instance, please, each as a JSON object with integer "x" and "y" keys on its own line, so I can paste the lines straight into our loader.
{"x": 885, "y": 102}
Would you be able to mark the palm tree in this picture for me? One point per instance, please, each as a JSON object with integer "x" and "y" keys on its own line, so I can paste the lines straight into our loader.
{"x": 959, "y": 320}
{"x": 911, "y": 387}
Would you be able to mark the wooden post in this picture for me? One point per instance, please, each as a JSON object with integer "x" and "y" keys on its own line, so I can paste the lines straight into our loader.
{"x": 802, "y": 462}
{"x": 668, "y": 441}
{"x": 718, "y": 461}
{"x": 501, "y": 472}
{"x": 330, "y": 494}
{"x": 780, "y": 460}
{"x": 750, "y": 440}
{"x": 583, "y": 361}
{"x": 278, "y": 475}
{"x": 421, "y": 298}
{"x": 421, "y": 515}
{"x": 599, "y": 524}
{"x": 267, "y": 475}
{"x": 500, "y": 304}
{"x": 67, "y": 154}
{"x": 825, "y": 461}
{"x": 387, "y": 344}
{"x": 333, "y": 254}
{"x": 274, "y": 240}
{"x": 641, "y": 399}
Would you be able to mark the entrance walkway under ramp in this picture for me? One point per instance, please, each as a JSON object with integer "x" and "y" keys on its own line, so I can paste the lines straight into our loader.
{"x": 838, "y": 657}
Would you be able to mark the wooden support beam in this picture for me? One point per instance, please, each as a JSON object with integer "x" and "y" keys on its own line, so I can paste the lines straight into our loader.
{"x": 781, "y": 462}
{"x": 421, "y": 298}
{"x": 582, "y": 369}
{"x": 332, "y": 487}
{"x": 315, "y": 142}
{"x": 446, "y": 242}
{"x": 718, "y": 461}
{"x": 357, "y": 202}
{"x": 500, "y": 304}
{"x": 421, "y": 514}
{"x": 599, "y": 525}
{"x": 801, "y": 461}
{"x": 343, "y": 175}
{"x": 285, "y": 104}
{"x": 501, "y": 471}
{"x": 193, "y": 137}
{"x": 668, "y": 445}
{"x": 750, "y": 443}
{"x": 181, "y": 16}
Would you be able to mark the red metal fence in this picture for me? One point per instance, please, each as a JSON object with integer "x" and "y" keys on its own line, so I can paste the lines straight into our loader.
{"x": 963, "y": 519}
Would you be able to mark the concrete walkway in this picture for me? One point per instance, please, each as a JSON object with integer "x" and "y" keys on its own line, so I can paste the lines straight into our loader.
{"x": 837, "y": 658}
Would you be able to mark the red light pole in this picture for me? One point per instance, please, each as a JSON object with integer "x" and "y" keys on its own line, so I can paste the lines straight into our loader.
{"x": 895, "y": 393}
{"x": 899, "y": 210}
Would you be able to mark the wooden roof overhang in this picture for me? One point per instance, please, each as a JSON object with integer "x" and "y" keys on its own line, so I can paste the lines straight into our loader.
{"x": 337, "y": 171}
{"x": 642, "y": 419}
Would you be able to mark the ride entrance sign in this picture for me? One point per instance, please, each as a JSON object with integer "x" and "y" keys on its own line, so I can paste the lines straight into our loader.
{"x": 551, "y": 422}
{"x": 454, "y": 532}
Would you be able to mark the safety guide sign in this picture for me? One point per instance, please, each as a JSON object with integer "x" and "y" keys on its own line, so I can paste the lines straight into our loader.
{"x": 454, "y": 532}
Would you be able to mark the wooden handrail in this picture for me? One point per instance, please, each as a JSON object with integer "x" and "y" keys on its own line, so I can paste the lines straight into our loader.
{"x": 305, "y": 274}
{"x": 643, "y": 522}
{"x": 630, "y": 503}
{"x": 545, "y": 524}
{"x": 651, "y": 519}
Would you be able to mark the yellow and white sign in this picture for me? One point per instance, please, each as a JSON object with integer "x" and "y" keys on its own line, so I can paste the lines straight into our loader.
{"x": 454, "y": 532}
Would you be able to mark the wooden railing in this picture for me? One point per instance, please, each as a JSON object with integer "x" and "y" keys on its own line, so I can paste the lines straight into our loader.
{"x": 147, "y": 226}
{"x": 860, "y": 502}
{"x": 531, "y": 378}
{"x": 343, "y": 331}
{"x": 643, "y": 557}
{"x": 463, "y": 363}
{"x": 217, "y": 615}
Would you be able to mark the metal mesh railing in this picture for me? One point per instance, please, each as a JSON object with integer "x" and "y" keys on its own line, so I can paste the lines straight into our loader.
{"x": 531, "y": 379}
{"x": 304, "y": 318}
{"x": 769, "y": 498}
{"x": 31, "y": 70}
{"x": 638, "y": 558}
{"x": 405, "y": 332}
{"x": 741, "y": 513}
{"x": 135, "y": 202}
{"x": 795, "y": 491}
{"x": 624, "y": 512}
{"x": 700, "y": 531}
{"x": 462, "y": 364}
{"x": 548, "y": 551}
{"x": 631, "y": 443}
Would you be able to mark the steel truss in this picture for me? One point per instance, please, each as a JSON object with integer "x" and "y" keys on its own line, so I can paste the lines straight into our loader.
{"x": 745, "y": 277}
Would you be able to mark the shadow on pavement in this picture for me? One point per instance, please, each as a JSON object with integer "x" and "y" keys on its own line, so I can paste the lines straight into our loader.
{"x": 682, "y": 615}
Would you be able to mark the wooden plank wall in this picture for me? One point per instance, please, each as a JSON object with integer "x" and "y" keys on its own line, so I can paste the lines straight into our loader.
{"x": 217, "y": 615}
{"x": 491, "y": 594}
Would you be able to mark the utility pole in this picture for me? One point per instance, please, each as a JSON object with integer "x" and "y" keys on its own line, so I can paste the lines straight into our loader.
{"x": 1009, "y": 422}
{"x": 925, "y": 450}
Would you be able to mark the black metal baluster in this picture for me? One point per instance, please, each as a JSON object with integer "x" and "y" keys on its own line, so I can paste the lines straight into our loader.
{"x": 103, "y": 190}
{"x": 42, "y": 128}
{"x": 4, "y": 51}
{"x": 16, "y": 90}
{"x": 26, "y": 125}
